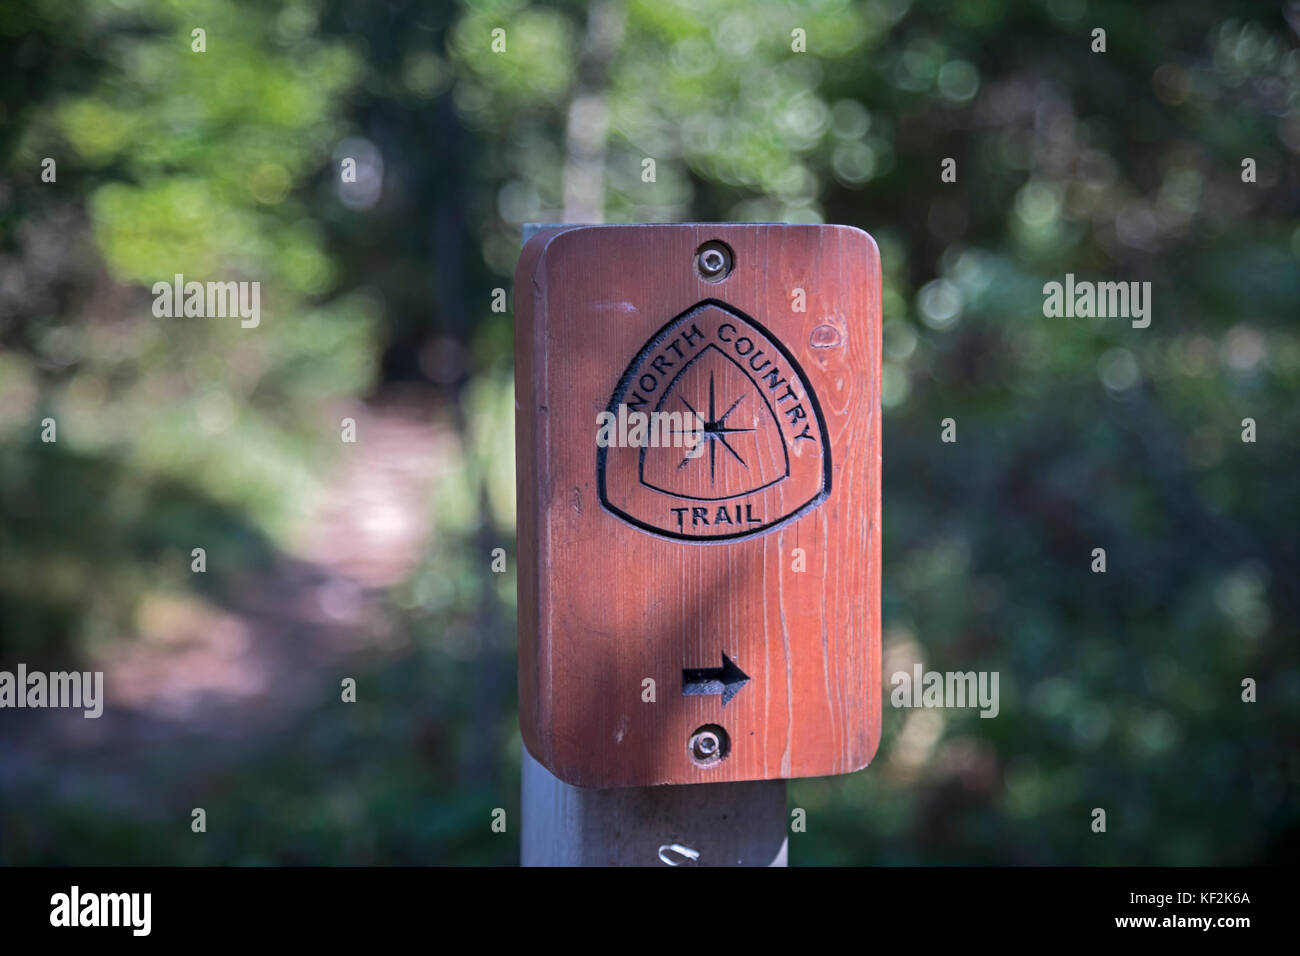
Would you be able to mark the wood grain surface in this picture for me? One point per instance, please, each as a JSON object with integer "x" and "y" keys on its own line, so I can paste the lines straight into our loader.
{"x": 639, "y": 563}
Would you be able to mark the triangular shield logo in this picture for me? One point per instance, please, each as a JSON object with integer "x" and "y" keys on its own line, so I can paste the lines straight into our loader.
{"x": 735, "y": 443}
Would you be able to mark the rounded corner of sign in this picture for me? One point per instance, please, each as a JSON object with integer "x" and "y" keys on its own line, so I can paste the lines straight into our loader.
{"x": 861, "y": 237}
{"x": 857, "y": 232}
{"x": 864, "y": 758}
{"x": 537, "y": 252}
{"x": 528, "y": 733}
{"x": 555, "y": 238}
{"x": 544, "y": 758}
{"x": 860, "y": 760}
{"x": 869, "y": 755}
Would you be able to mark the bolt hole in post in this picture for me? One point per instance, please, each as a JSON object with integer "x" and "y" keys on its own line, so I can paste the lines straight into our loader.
{"x": 714, "y": 261}
{"x": 709, "y": 746}
{"x": 681, "y": 854}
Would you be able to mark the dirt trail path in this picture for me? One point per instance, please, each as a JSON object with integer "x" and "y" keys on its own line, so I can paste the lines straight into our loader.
{"x": 224, "y": 679}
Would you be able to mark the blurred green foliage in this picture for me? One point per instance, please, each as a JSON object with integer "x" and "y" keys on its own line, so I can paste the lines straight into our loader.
{"x": 1119, "y": 691}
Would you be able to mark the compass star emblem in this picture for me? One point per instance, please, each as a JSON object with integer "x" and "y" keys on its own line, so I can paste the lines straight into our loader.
{"x": 714, "y": 432}
{"x": 717, "y": 376}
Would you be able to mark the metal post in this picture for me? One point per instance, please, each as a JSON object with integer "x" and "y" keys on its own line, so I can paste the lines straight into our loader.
{"x": 709, "y": 824}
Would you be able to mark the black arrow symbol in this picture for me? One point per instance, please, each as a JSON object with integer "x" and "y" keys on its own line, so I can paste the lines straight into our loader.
{"x": 725, "y": 680}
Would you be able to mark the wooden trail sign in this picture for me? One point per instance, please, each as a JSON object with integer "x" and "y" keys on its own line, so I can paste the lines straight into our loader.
{"x": 698, "y": 444}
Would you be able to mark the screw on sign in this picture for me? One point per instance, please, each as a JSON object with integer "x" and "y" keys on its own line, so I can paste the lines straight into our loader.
{"x": 675, "y": 560}
{"x": 714, "y": 261}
